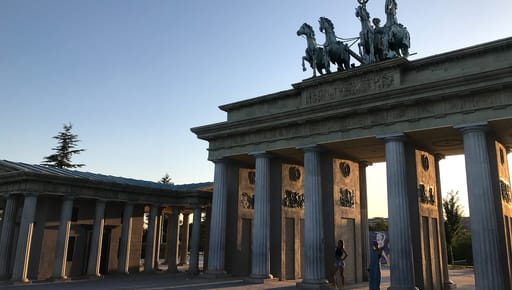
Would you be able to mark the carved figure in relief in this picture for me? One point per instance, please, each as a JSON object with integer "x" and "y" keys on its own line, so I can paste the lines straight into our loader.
{"x": 315, "y": 55}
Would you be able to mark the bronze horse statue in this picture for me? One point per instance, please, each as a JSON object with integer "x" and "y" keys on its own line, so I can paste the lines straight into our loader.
{"x": 315, "y": 55}
{"x": 337, "y": 51}
{"x": 366, "y": 36}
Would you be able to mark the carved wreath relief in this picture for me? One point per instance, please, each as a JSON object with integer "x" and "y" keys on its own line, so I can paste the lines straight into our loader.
{"x": 346, "y": 196}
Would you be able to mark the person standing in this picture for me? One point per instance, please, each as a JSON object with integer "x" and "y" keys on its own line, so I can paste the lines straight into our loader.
{"x": 374, "y": 267}
{"x": 340, "y": 255}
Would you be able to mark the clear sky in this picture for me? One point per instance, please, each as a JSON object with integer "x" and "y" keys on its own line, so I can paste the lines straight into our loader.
{"x": 134, "y": 76}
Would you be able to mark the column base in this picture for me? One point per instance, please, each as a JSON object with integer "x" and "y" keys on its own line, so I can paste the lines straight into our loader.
{"x": 21, "y": 282}
{"x": 172, "y": 270}
{"x": 322, "y": 284}
{"x": 450, "y": 285}
{"x": 58, "y": 279}
{"x": 215, "y": 274}
{"x": 259, "y": 279}
{"x": 403, "y": 288}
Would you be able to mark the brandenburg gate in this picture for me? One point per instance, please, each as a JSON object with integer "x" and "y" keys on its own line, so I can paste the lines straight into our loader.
{"x": 290, "y": 170}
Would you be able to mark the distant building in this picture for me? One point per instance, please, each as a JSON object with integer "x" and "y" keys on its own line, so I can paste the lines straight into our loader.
{"x": 59, "y": 223}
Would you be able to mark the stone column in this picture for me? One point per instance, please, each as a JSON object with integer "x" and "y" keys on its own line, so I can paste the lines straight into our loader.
{"x": 126, "y": 235}
{"x": 364, "y": 218}
{"x": 447, "y": 283}
{"x": 184, "y": 239}
{"x": 61, "y": 249}
{"x": 261, "y": 230}
{"x": 196, "y": 238}
{"x": 314, "y": 240}
{"x": 402, "y": 273}
{"x": 7, "y": 236}
{"x": 20, "y": 269}
{"x": 172, "y": 240}
{"x": 158, "y": 239}
{"x": 150, "y": 240}
{"x": 93, "y": 267}
{"x": 217, "y": 247}
{"x": 487, "y": 257}
{"x": 206, "y": 246}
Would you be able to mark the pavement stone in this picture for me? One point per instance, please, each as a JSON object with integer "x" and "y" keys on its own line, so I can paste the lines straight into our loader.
{"x": 464, "y": 278}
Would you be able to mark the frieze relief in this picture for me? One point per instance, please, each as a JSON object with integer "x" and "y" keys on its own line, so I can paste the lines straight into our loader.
{"x": 404, "y": 113}
{"x": 293, "y": 199}
{"x": 347, "y": 198}
{"x": 426, "y": 195}
{"x": 506, "y": 195}
{"x": 247, "y": 200}
{"x": 368, "y": 83}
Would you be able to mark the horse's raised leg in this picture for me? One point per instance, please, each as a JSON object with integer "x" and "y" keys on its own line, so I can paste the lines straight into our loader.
{"x": 303, "y": 65}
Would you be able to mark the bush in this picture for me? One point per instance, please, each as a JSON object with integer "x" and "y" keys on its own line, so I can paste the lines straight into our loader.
{"x": 462, "y": 247}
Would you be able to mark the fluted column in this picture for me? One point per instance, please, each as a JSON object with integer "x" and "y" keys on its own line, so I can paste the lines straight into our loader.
{"x": 184, "y": 239}
{"x": 20, "y": 269}
{"x": 7, "y": 236}
{"x": 402, "y": 274}
{"x": 261, "y": 230}
{"x": 158, "y": 239}
{"x": 489, "y": 269}
{"x": 93, "y": 267}
{"x": 61, "y": 249}
{"x": 217, "y": 247}
{"x": 172, "y": 240}
{"x": 126, "y": 234}
{"x": 150, "y": 240}
{"x": 194, "y": 245}
{"x": 447, "y": 283}
{"x": 314, "y": 265}
{"x": 364, "y": 217}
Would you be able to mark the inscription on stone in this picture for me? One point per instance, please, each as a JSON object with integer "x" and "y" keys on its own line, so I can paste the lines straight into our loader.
{"x": 369, "y": 83}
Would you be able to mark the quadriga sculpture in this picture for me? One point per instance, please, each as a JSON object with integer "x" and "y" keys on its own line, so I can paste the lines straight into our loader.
{"x": 337, "y": 51}
{"x": 315, "y": 55}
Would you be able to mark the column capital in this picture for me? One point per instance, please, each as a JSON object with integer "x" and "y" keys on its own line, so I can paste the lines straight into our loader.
{"x": 365, "y": 163}
{"x": 311, "y": 148}
{"x": 400, "y": 137}
{"x": 261, "y": 154}
{"x": 475, "y": 127}
{"x": 439, "y": 156}
{"x": 30, "y": 194}
{"x": 68, "y": 197}
{"x": 221, "y": 160}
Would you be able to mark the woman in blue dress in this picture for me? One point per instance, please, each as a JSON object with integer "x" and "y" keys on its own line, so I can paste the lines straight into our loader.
{"x": 374, "y": 267}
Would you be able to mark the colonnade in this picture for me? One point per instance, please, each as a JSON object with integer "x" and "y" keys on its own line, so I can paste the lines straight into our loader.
{"x": 487, "y": 233}
{"x": 18, "y": 268}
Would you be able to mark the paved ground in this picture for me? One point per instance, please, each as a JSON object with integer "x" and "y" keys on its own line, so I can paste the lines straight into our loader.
{"x": 161, "y": 281}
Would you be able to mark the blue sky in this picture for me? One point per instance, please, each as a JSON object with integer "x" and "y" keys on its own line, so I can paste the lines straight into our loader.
{"x": 134, "y": 76}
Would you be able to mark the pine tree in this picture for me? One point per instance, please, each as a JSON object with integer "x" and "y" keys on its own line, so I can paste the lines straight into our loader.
{"x": 166, "y": 179}
{"x": 67, "y": 142}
